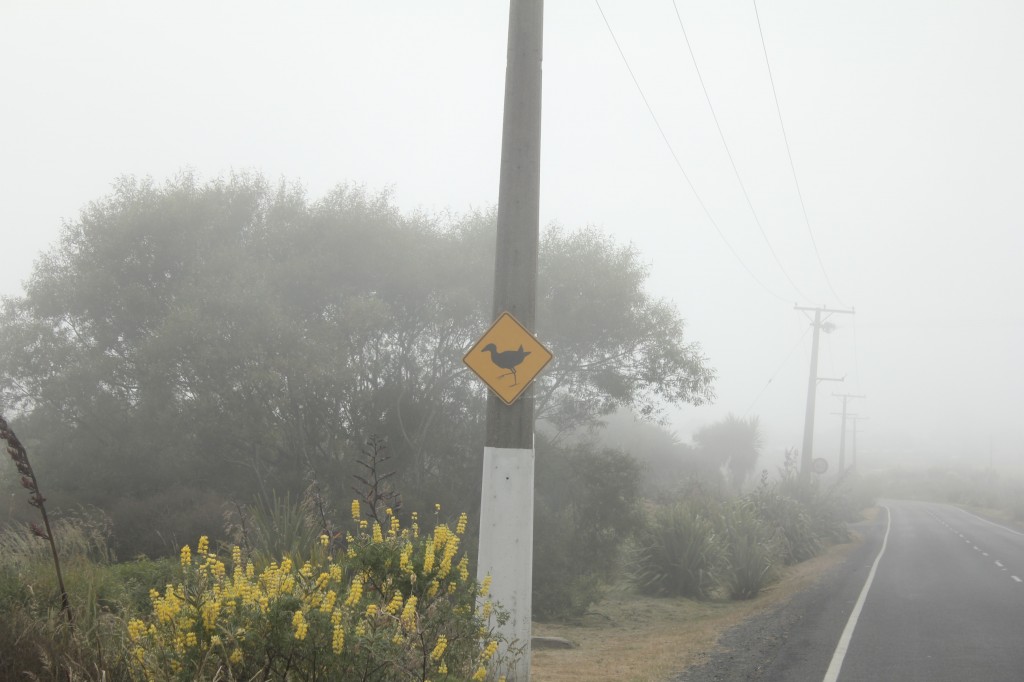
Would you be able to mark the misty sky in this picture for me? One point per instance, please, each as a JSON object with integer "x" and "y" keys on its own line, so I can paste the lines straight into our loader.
{"x": 905, "y": 120}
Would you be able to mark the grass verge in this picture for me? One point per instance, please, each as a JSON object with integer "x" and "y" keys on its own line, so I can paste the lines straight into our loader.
{"x": 630, "y": 638}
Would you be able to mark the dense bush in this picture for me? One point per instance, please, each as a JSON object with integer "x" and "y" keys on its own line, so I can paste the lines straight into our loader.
{"x": 751, "y": 552}
{"x": 586, "y": 507}
{"x": 678, "y": 552}
{"x": 393, "y": 605}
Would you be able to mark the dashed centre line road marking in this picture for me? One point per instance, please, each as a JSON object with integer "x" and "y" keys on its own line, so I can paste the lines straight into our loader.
{"x": 1016, "y": 578}
{"x": 1000, "y": 564}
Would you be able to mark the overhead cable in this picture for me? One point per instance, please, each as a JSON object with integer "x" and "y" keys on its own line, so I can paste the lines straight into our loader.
{"x": 732, "y": 161}
{"x": 789, "y": 154}
{"x": 678, "y": 163}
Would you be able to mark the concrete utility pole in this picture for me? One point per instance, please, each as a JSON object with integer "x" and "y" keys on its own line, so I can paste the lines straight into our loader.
{"x": 506, "y": 505}
{"x": 812, "y": 386}
{"x": 842, "y": 432}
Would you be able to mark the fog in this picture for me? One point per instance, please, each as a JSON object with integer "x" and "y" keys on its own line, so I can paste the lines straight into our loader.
{"x": 903, "y": 121}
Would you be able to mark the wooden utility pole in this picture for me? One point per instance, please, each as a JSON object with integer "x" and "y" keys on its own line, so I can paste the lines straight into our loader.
{"x": 855, "y": 420}
{"x": 842, "y": 431}
{"x": 506, "y": 506}
{"x": 812, "y": 386}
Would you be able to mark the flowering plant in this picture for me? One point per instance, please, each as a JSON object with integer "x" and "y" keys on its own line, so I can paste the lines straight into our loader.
{"x": 392, "y": 604}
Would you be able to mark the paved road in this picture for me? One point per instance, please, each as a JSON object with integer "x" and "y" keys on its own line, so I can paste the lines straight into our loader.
{"x": 944, "y": 602}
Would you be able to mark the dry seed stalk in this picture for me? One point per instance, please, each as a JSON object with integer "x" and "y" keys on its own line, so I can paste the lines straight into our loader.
{"x": 35, "y": 498}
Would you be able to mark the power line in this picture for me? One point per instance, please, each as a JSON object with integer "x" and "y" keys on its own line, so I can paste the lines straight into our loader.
{"x": 679, "y": 164}
{"x": 732, "y": 161}
{"x": 779, "y": 369}
{"x": 789, "y": 154}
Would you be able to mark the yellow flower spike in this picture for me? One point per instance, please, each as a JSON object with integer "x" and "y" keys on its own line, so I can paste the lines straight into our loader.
{"x": 186, "y": 556}
{"x": 489, "y": 650}
{"x": 338, "y": 639}
{"x": 437, "y": 508}
{"x": 307, "y": 570}
{"x": 395, "y": 526}
{"x": 204, "y": 545}
{"x": 236, "y": 656}
{"x": 439, "y": 648}
{"x": 409, "y": 613}
{"x": 300, "y": 624}
{"x": 485, "y": 586}
{"x": 190, "y": 640}
{"x": 464, "y": 569}
{"x": 443, "y": 668}
{"x": 236, "y": 555}
{"x": 356, "y": 510}
{"x": 396, "y": 604}
{"x": 355, "y": 591}
{"x": 328, "y": 601}
{"x": 363, "y": 524}
{"x": 371, "y": 610}
{"x": 325, "y": 540}
{"x": 480, "y": 674}
{"x": 486, "y": 609}
{"x": 461, "y": 527}
{"x": 378, "y": 538}
{"x": 389, "y": 511}
{"x": 428, "y": 558}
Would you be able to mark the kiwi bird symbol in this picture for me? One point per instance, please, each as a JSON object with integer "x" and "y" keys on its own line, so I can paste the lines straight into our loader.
{"x": 507, "y": 359}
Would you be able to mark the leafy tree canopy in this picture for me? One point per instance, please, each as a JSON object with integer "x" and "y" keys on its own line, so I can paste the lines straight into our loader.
{"x": 195, "y": 340}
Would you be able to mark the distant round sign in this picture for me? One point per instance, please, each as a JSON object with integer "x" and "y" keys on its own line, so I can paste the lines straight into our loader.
{"x": 820, "y": 465}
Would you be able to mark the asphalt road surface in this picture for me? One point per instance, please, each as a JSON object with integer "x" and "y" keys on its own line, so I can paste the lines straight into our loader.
{"x": 934, "y": 593}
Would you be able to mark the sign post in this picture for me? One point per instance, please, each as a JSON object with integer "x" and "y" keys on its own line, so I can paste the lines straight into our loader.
{"x": 506, "y": 499}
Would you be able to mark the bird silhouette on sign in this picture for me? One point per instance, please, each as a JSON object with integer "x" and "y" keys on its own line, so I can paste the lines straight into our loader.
{"x": 507, "y": 359}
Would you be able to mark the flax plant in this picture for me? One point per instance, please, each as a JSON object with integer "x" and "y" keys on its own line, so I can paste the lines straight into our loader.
{"x": 29, "y": 481}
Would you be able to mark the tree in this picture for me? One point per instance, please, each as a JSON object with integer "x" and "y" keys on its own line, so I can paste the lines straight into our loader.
{"x": 194, "y": 341}
{"x": 734, "y": 443}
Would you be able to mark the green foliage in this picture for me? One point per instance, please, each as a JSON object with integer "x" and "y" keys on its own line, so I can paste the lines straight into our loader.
{"x": 35, "y": 638}
{"x": 750, "y": 554}
{"x": 586, "y": 506}
{"x": 397, "y": 605}
{"x": 678, "y": 552}
{"x": 190, "y": 342}
{"x": 734, "y": 444}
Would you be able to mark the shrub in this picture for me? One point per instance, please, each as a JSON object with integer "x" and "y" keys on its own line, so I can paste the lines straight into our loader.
{"x": 678, "y": 552}
{"x": 751, "y": 552}
{"x": 588, "y": 502}
{"x": 394, "y": 605}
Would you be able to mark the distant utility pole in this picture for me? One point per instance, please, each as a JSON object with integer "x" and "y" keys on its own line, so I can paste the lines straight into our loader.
{"x": 855, "y": 420}
{"x": 842, "y": 434}
{"x": 812, "y": 387}
{"x": 506, "y": 505}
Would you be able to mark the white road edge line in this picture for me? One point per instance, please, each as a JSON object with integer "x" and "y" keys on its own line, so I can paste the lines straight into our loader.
{"x": 991, "y": 523}
{"x": 832, "y": 674}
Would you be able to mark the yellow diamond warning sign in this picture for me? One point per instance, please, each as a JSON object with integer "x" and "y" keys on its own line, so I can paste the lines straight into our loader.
{"x": 507, "y": 358}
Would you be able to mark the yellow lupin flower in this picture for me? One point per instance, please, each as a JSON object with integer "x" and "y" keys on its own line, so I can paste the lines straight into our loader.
{"x": 301, "y": 626}
{"x": 409, "y": 613}
{"x": 480, "y": 674}
{"x": 203, "y": 547}
{"x": 428, "y": 558}
{"x": 378, "y": 537}
{"x": 338, "y": 639}
{"x": 236, "y": 556}
{"x": 438, "y": 652}
{"x": 355, "y": 591}
{"x": 485, "y": 586}
{"x": 186, "y": 556}
{"x": 461, "y": 527}
{"x": 236, "y": 656}
{"x": 489, "y": 650}
{"x": 356, "y": 510}
{"x": 396, "y": 604}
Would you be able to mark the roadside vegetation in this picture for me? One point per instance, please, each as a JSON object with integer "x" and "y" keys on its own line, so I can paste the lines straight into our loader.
{"x": 196, "y": 369}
